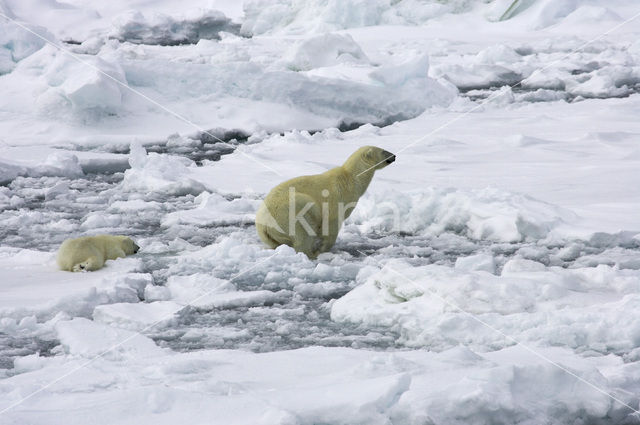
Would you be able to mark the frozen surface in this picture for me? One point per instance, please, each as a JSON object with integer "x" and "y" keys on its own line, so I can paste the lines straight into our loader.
{"x": 438, "y": 306}
{"x": 490, "y": 275}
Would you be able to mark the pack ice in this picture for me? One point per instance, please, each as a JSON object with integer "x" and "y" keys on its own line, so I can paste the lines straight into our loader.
{"x": 491, "y": 276}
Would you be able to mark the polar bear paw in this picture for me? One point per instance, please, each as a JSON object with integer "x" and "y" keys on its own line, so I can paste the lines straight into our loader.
{"x": 81, "y": 267}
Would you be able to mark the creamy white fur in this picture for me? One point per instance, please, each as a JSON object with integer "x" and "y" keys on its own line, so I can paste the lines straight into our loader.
{"x": 89, "y": 253}
{"x": 321, "y": 202}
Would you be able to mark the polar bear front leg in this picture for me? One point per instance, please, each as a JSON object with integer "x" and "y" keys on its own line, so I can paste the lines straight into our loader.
{"x": 327, "y": 242}
{"x": 114, "y": 253}
{"x": 321, "y": 244}
{"x": 305, "y": 225}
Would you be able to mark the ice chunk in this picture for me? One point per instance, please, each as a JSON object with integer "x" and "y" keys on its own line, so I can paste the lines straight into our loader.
{"x": 159, "y": 173}
{"x": 207, "y": 292}
{"x": 89, "y": 89}
{"x": 326, "y": 50}
{"x": 498, "y": 53}
{"x": 134, "y": 205}
{"x": 197, "y": 289}
{"x": 545, "y": 13}
{"x": 518, "y": 265}
{"x": 242, "y": 299}
{"x": 477, "y": 262}
{"x": 6, "y": 61}
{"x": 215, "y": 209}
{"x": 349, "y": 101}
{"x": 101, "y": 220}
{"x": 486, "y": 214}
{"x": 166, "y": 30}
{"x": 85, "y": 338}
{"x": 137, "y": 316}
{"x": 59, "y": 189}
{"x": 395, "y": 75}
{"x": 63, "y": 164}
{"x": 605, "y": 83}
{"x": 438, "y": 307}
{"x": 509, "y": 379}
{"x": 156, "y": 293}
{"x": 18, "y": 40}
{"x": 9, "y": 171}
{"x": 318, "y": 16}
{"x": 29, "y": 363}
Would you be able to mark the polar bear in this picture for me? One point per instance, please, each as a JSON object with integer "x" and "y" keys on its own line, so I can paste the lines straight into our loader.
{"x": 90, "y": 252}
{"x": 307, "y": 212}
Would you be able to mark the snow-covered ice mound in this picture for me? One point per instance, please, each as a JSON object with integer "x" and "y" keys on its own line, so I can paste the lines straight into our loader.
{"x": 95, "y": 91}
{"x": 552, "y": 73}
{"x": 310, "y": 385}
{"x": 488, "y": 214}
{"x": 95, "y": 86}
{"x": 213, "y": 209}
{"x": 166, "y": 30}
{"x": 16, "y": 42}
{"x": 327, "y": 50}
{"x": 56, "y": 163}
{"x": 159, "y": 173}
{"x": 75, "y": 294}
{"x": 545, "y": 13}
{"x": 300, "y": 17}
{"x": 440, "y": 307}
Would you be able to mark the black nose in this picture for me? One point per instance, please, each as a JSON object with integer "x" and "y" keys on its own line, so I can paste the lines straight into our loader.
{"x": 390, "y": 157}
{"x": 136, "y": 248}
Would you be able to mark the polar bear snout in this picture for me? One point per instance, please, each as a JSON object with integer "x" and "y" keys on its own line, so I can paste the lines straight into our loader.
{"x": 136, "y": 248}
{"x": 389, "y": 157}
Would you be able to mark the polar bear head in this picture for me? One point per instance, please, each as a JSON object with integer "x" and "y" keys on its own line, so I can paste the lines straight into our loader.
{"x": 368, "y": 159}
{"x": 128, "y": 245}
{"x": 377, "y": 157}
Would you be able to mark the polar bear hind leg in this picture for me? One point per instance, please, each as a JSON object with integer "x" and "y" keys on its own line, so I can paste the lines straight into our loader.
{"x": 89, "y": 265}
{"x": 92, "y": 259}
{"x": 301, "y": 232}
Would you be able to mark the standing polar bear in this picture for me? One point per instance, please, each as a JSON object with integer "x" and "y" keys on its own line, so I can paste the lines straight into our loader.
{"x": 307, "y": 212}
{"x": 89, "y": 253}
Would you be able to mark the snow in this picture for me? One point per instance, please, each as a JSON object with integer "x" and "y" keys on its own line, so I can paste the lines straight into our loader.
{"x": 214, "y": 209}
{"x": 17, "y": 42}
{"x": 488, "y": 214}
{"x": 140, "y": 316}
{"x": 439, "y": 306}
{"x": 315, "y": 16}
{"x": 29, "y": 287}
{"x": 83, "y": 87}
{"x": 84, "y": 338}
{"x": 327, "y": 50}
{"x": 490, "y": 275}
{"x": 155, "y": 172}
{"x": 321, "y": 385}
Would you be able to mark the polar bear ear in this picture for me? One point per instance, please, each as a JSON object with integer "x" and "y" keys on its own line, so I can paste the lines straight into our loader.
{"x": 369, "y": 154}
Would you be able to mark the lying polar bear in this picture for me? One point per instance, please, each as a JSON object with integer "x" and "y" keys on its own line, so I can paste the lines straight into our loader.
{"x": 89, "y": 253}
{"x": 307, "y": 212}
